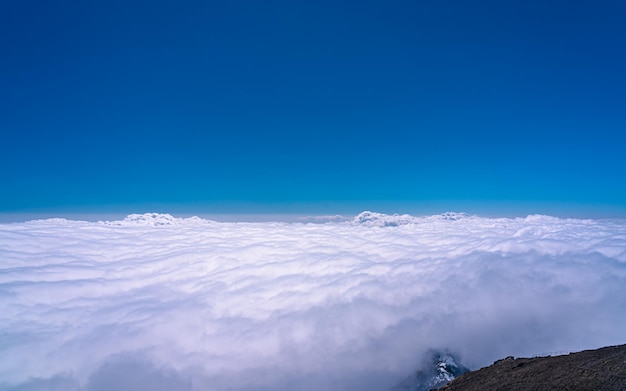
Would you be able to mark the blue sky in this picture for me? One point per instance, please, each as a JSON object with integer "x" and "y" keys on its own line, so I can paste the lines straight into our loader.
{"x": 313, "y": 107}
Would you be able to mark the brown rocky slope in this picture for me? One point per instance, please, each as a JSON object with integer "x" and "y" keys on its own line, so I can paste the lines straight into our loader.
{"x": 594, "y": 370}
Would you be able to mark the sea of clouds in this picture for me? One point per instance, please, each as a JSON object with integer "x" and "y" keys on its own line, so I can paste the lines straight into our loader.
{"x": 161, "y": 303}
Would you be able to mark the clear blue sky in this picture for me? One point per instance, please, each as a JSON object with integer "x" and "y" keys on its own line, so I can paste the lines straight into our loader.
{"x": 279, "y": 106}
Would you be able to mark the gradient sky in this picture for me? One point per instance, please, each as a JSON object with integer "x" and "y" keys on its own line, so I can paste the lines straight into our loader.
{"x": 323, "y": 106}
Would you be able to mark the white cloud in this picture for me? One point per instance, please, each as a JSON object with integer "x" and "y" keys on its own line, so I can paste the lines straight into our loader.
{"x": 254, "y": 306}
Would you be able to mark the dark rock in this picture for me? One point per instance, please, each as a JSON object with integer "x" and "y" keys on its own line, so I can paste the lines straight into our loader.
{"x": 593, "y": 370}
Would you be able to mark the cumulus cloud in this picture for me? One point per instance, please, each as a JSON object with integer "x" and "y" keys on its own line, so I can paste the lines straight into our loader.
{"x": 189, "y": 304}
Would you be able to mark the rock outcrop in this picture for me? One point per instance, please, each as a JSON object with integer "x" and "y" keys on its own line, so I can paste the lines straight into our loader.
{"x": 593, "y": 370}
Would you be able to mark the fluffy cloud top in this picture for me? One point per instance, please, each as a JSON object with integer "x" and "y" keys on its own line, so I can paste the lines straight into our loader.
{"x": 162, "y": 303}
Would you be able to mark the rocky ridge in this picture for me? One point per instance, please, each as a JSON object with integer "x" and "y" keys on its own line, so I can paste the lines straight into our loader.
{"x": 590, "y": 370}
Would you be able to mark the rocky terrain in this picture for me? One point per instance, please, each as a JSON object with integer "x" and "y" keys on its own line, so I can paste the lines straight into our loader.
{"x": 594, "y": 370}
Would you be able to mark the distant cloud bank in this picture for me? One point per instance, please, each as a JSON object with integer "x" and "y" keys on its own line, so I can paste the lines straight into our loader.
{"x": 163, "y": 303}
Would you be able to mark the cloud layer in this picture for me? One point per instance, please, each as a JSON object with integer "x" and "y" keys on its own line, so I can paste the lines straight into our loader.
{"x": 188, "y": 304}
